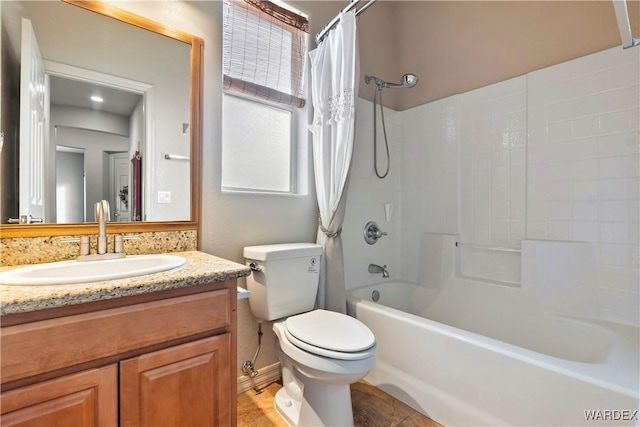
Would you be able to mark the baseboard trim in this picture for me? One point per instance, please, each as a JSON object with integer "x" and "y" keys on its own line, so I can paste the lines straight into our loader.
{"x": 265, "y": 375}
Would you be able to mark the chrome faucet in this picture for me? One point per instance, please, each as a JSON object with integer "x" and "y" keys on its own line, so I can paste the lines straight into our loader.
{"x": 102, "y": 217}
{"x": 376, "y": 269}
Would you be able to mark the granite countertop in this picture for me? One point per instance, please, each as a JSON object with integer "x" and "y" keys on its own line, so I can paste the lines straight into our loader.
{"x": 200, "y": 268}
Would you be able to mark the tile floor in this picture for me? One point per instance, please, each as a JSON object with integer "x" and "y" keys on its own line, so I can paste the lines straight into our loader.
{"x": 371, "y": 408}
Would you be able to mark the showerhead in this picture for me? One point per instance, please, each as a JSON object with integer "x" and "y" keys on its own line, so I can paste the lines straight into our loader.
{"x": 408, "y": 81}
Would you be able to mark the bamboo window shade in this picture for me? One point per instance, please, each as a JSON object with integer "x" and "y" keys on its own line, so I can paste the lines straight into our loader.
{"x": 264, "y": 50}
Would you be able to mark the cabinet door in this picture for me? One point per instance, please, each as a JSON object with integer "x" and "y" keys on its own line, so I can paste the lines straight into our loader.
{"x": 88, "y": 398}
{"x": 185, "y": 385}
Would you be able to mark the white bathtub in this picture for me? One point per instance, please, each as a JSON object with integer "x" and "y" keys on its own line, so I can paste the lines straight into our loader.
{"x": 461, "y": 358}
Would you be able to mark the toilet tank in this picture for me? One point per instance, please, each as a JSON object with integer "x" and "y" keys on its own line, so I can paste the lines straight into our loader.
{"x": 287, "y": 280}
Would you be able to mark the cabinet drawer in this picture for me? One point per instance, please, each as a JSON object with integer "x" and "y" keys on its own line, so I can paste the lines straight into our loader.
{"x": 34, "y": 348}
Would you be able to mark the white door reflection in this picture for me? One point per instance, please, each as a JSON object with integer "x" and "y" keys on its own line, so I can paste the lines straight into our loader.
{"x": 70, "y": 185}
{"x": 99, "y": 148}
{"x": 120, "y": 179}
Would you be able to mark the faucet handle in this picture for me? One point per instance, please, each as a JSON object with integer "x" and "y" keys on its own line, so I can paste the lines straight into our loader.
{"x": 85, "y": 247}
{"x": 372, "y": 232}
{"x": 84, "y": 243}
{"x": 118, "y": 245}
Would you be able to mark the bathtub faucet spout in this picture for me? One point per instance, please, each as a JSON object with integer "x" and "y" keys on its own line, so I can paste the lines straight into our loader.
{"x": 376, "y": 269}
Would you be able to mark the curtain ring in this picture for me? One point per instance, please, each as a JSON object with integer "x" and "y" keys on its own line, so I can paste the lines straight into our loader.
{"x": 327, "y": 232}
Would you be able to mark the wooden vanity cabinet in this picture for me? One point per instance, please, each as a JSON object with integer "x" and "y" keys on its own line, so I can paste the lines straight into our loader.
{"x": 88, "y": 398}
{"x": 165, "y": 361}
{"x": 184, "y": 385}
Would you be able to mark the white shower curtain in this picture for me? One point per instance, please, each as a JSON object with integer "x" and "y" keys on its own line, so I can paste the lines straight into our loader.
{"x": 334, "y": 67}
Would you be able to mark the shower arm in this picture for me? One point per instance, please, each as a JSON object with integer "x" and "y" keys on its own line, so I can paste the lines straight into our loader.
{"x": 382, "y": 84}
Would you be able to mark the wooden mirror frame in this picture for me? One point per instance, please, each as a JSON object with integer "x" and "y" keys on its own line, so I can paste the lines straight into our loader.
{"x": 197, "y": 45}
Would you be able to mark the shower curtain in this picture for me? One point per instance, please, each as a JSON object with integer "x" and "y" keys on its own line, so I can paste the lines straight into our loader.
{"x": 334, "y": 67}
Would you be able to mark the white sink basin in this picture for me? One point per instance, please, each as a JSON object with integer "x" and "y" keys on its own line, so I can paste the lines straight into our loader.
{"x": 67, "y": 272}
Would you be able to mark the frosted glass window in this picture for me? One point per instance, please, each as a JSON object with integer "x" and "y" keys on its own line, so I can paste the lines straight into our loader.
{"x": 256, "y": 146}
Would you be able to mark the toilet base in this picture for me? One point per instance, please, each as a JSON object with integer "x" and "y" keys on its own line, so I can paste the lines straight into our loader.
{"x": 288, "y": 409}
{"x": 321, "y": 405}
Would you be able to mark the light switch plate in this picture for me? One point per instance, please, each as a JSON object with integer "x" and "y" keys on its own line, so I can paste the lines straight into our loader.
{"x": 164, "y": 196}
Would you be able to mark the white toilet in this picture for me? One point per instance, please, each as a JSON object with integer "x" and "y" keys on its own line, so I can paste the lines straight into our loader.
{"x": 322, "y": 352}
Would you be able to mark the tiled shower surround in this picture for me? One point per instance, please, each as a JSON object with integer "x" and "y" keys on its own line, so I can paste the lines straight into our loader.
{"x": 583, "y": 167}
{"x": 549, "y": 156}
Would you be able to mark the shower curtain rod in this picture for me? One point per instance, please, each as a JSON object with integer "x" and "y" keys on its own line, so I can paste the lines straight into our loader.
{"x": 334, "y": 21}
{"x": 622, "y": 16}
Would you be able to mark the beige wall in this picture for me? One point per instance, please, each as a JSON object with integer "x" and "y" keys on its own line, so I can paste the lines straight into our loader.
{"x": 377, "y": 39}
{"x": 456, "y": 46}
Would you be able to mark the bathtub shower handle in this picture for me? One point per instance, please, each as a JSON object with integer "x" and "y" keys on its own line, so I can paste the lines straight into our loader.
{"x": 372, "y": 232}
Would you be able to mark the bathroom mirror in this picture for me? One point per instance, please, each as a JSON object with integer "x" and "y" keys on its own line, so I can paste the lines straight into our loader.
{"x": 158, "y": 69}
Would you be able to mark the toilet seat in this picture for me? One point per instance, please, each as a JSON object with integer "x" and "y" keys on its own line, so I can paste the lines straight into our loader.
{"x": 330, "y": 334}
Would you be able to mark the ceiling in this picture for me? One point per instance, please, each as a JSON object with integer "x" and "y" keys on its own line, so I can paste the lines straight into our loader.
{"x": 76, "y": 93}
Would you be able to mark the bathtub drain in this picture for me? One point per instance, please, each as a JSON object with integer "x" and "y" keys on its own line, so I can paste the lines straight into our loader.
{"x": 375, "y": 296}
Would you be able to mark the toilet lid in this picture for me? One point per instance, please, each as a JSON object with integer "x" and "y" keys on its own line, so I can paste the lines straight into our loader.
{"x": 330, "y": 334}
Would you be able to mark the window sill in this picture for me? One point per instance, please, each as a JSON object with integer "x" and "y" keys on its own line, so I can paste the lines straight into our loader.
{"x": 262, "y": 193}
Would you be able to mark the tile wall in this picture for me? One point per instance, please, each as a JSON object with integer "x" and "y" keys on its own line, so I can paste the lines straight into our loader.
{"x": 493, "y": 122}
{"x": 492, "y": 163}
{"x": 430, "y": 176}
{"x": 464, "y": 172}
{"x": 550, "y": 155}
{"x": 583, "y": 167}
{"x": 367, "y": 196}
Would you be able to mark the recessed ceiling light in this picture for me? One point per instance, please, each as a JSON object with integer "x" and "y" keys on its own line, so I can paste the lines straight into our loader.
{"x": 96, "y": 98}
